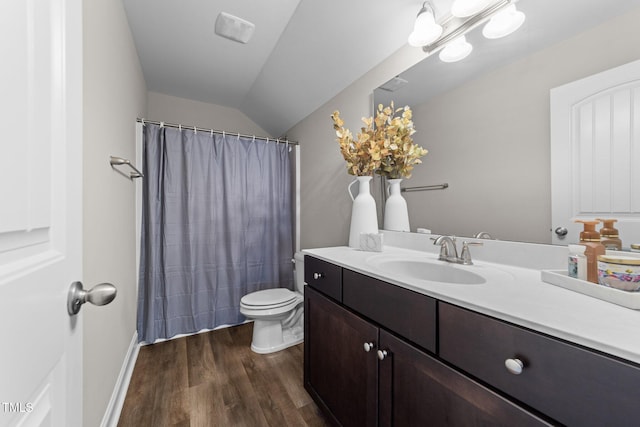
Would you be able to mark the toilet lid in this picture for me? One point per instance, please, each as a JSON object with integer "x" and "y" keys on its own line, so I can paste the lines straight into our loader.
{"x": 269, "y": 297}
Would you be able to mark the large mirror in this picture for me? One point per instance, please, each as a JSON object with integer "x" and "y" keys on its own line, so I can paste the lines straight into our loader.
{"x": 485, "y": 120}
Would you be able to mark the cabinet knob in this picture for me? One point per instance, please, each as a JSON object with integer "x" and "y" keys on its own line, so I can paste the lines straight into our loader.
{"x": 368, "y": 346}
{"x": 382, "y": 354}
{"x": 317, "y": 276}
{"x": 514, "y": 366}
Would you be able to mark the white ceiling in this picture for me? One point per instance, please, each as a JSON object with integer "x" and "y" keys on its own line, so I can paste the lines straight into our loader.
{"x": 303, "y": 52}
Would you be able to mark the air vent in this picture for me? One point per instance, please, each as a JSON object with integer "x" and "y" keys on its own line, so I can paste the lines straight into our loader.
{"x": 234, "y": 28}
{"x": 394, "y": 84}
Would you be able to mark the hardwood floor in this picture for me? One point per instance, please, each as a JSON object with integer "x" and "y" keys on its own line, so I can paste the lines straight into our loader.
{"x": 214, "y": 379}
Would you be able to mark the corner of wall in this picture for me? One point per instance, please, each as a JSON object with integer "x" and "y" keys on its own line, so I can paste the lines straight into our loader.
{"x": 114, "y": 96}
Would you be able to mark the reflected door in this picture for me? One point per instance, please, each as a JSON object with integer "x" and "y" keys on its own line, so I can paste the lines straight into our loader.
{"x": 40, "y": 211}
{"x": 595, "y": 153}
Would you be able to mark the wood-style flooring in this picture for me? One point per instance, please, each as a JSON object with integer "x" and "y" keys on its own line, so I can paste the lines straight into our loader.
{"x": 214, "y": 379}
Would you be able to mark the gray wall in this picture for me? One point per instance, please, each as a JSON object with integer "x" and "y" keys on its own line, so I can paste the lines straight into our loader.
{"x": 171, "y": 109}
{"x": 489, "y": 139}
{"x": 114, "y": 95}
{"x": 325, "y": 206}
{"x": 518, "y": 157}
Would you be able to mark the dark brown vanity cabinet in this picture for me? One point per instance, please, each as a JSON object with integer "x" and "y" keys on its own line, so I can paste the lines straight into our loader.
{"x": 369, "y": 360}
{"x": 416, "y": 389}
{"x": 338, "y": 373}
{"x": 573, "y": 385}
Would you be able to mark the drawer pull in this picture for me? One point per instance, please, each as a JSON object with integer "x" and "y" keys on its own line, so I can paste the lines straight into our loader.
{"x": 382, "y": 354}
{"x": 317, "y": 276}
{"x": 514, "y": 366}
{"x": 368, "y": 346}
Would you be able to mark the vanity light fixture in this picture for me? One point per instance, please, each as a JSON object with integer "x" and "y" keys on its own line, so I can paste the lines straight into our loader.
{"x": 465, "y": 8}
{"x": 425, "y": 30}
{"x": 503, "y": 23}
{"x": 500, "y": 16}
{"x": 456, "y": 50}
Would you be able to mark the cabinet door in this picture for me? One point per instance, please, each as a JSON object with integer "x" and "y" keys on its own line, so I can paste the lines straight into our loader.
{"x": 417, "y": 390}
{"x": 338, "y": 373}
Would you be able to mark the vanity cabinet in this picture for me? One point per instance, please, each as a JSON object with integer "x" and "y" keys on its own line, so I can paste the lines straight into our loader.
{"x": 369, "y": 360}
{"x": 338, "y": 373}
{"x": 571, "y": 384}
{"x": 416, "y": 389}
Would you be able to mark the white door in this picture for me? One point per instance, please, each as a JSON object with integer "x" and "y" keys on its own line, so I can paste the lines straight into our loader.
{"x": 40, "y": 211}
{"x": 595, "y": 153}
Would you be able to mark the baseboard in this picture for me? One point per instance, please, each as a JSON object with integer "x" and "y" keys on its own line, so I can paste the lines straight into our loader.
{"x": 112, "y": 414}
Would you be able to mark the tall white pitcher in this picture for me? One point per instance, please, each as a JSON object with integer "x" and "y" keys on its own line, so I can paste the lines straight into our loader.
{"x": 396, "y": 215}
{"x": 364, "y": 218}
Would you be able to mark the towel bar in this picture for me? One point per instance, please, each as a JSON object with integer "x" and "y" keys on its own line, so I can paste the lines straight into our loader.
{"x": 117, "y": 161}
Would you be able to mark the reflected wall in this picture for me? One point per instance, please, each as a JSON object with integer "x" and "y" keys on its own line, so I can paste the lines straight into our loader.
{"x": 489, "y": 138}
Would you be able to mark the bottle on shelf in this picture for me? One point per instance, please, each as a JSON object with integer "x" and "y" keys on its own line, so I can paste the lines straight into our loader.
{"x": 609, "y": 235}
{"x": 577, "y": 262}
{"x": 590, "y": 238}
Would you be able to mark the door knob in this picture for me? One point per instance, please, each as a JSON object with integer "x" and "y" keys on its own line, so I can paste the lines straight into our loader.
{"x": 561, "y": 231}
{"x": 382, "y": 354}
{"x": 101, "y": 294}
{"x": 368, "y": 346}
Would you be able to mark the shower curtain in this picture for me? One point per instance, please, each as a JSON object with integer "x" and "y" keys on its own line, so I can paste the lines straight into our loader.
{"x": 216, "y": 225}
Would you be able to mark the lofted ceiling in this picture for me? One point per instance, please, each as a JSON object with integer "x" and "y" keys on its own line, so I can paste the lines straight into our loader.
{"x": 304, "y": 52}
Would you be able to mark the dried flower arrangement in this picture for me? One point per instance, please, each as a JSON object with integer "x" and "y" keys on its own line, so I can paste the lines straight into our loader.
{"x": 386, "y": 149}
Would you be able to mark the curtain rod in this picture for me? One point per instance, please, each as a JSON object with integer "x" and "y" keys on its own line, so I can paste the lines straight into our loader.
{"x": 219, "y": 132}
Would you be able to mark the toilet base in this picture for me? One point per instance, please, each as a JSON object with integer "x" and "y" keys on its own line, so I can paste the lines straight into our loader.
{"x": 269, "y": 336}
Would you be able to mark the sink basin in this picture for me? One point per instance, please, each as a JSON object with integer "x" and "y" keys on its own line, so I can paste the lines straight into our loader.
{"x": 431, "y": 271}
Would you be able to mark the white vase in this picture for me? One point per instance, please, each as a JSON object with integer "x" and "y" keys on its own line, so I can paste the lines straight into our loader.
{"x": 396, "y": 216}
{"x": 364, "y": 217}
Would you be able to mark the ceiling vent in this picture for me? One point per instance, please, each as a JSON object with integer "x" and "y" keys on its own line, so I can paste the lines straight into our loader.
{"x": 394, "y": 84}
{"x": 234, "y": 28}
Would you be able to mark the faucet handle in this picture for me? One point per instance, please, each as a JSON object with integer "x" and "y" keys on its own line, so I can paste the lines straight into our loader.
{"x": 465, "y": 255}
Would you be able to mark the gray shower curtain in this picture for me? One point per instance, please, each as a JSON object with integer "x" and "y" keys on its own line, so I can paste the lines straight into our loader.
{"x": 216, "y": 224}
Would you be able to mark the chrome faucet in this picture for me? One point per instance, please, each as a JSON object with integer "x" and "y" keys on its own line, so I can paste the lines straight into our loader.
{"x": 449, "y": 252}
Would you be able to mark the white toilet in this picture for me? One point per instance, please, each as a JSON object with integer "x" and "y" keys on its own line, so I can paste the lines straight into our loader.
{"x": 277, "y": 314}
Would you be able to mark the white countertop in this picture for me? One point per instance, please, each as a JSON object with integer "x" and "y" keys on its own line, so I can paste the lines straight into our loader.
{"x": 512, "y": 293}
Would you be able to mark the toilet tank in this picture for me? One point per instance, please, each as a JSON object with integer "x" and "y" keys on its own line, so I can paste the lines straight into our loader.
{"x": 299, "y": 272}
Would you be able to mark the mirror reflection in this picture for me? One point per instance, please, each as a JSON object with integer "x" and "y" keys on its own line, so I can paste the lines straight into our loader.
{"x": 486, "y": 119}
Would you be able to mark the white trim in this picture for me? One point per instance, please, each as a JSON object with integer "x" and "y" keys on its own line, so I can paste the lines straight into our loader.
{"x": 112, "y": 414}
{"x": 297, "y": 207}
{"x": 138, "y": 201}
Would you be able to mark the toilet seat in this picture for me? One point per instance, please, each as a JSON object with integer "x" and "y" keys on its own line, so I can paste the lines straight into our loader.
{"x": 269, "y": 302}
{"x": 269, "y": 298}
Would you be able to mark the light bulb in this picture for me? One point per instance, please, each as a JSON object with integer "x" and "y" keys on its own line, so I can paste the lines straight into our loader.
{"x": 503, "y": 23}
{"x": 457, "y": 50}
{"x": 425, "y": 29}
